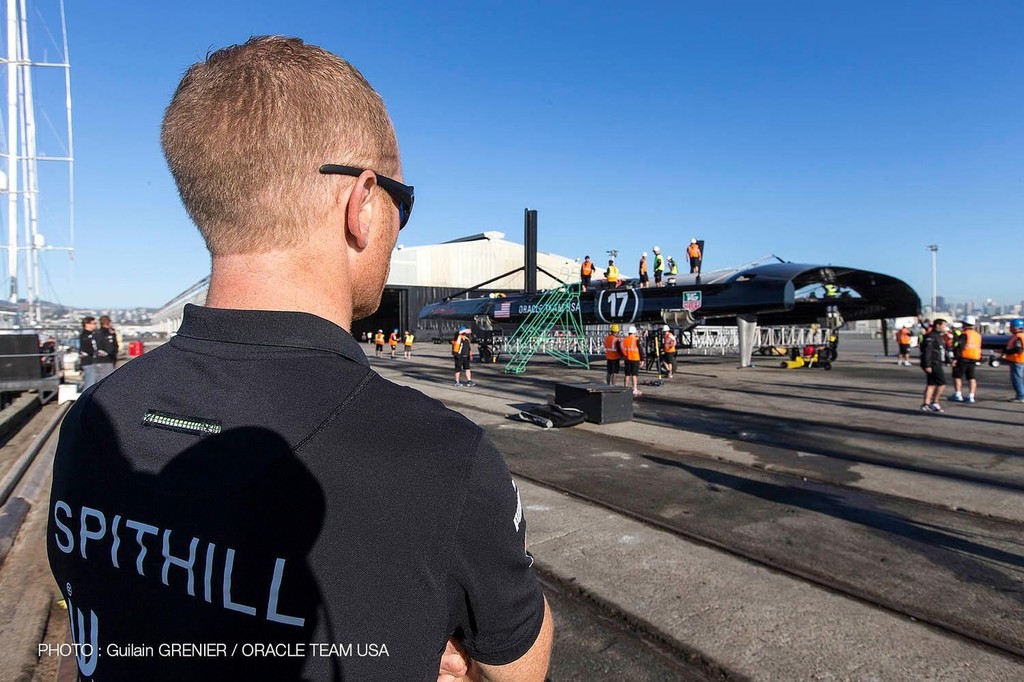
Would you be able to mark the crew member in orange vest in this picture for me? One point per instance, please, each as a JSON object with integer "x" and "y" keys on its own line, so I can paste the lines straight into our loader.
{"x": 378, "y": 341}
{"x": 668, "y": 351}
{"x": 393, "y": 342}
{"x": 693, "y": 251}
{"x": 1013, "y": 355}
{"x": 612, "y": 353}
{"x": 903, "y": 340}
{"x": 966, "y": 358}
{"x": 586, "y": 272}
{"x": 634, "y": 355}
{"x": 643, "y": 271}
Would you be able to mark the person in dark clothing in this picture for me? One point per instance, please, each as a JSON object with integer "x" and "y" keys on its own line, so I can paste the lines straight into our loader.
{"x": 106, "y": 339}
{"x": 89, "y": 352}
{"x": 462, "y": 353}
{"x": 253, "y": 484}
{"x": 933, "y": 362}
{"x": 48, "y": 356}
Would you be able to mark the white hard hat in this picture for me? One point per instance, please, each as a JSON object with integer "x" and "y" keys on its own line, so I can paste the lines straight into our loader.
{"x": 665, "y": 328}
{"x": 632, "y": 329}
{"x": 693, "y": 241}
{"x": 970, "y": 319}
{"x": 657, "y": 249}
{"x": 645, "y": 254}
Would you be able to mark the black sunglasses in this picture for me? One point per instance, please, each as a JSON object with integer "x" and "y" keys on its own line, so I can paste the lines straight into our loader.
{"x": 401, "y": 194}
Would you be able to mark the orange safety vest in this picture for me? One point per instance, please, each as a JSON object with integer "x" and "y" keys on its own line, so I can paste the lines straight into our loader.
{"x": 1014, "y": 357}
{"x": 631, "y": 348}
{"x": 612, "y": 274}
{"x": 643, "y": 266}
{"x": 587, "y": 269}
{"x": 378, "y": 339}
{"x": 611, "y": 347}
{"x": 670, "y": 343}
{"x": 393, "y": 339}
{"x": 693, "y": 250}
{"x": 903, "y": 337}
{"x": 970, "y": 345}
{"x": 457, "y": 344}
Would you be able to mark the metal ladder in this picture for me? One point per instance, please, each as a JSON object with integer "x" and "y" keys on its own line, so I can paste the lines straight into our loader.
{"x": 557, "y": 307}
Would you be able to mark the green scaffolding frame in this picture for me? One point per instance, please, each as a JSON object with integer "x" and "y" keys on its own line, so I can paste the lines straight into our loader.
{"x": 557, "y": 308}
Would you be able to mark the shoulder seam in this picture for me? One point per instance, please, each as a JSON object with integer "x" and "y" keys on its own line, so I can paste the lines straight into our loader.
{"x": 338, "y": 410}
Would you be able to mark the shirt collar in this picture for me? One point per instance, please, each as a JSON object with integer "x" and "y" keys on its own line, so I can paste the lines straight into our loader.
{"x": 283, "y": 329}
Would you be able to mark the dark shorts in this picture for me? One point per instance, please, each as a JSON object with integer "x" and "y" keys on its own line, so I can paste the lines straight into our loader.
{"x": 461, "y": 363}
{"x": 965, "y": 369}
{"x": 657, "y": 277}
{"x": 643, "y": 279}
{"x": 936, "y": 377}
{"x": 670, "y": 360}
{"x": 613, "y": 366}
{"x": 694, "y": 263}
{"x": 904, "y": 349}
{"x": 585, "y": 280}
{"x": 632, "y": 368}
{"x": 380, "y": 346}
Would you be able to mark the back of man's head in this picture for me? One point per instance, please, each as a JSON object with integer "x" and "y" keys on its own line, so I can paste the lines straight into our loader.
{"x": 248, "y": 129}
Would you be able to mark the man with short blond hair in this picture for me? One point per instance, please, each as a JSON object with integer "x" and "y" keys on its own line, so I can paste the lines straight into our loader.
{"x": 248, "y": 488}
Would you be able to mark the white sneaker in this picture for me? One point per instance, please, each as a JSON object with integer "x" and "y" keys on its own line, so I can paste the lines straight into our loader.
{"x": 970, "y": 399}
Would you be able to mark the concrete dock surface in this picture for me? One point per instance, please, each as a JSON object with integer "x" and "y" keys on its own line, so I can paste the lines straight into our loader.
{"x": 773, "y": 524}
{"x": 746, "y": 524}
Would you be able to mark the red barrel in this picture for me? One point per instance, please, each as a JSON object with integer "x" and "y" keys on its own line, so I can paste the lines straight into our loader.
{"x": 135, "y": 349}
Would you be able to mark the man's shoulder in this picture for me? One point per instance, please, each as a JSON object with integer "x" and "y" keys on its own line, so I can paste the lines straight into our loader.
{"x": 420, "y": 412}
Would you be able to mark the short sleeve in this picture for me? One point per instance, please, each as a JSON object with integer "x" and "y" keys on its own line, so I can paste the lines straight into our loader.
{"x": 496, "y": 601}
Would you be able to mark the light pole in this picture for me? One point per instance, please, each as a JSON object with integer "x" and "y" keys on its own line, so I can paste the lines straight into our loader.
{"x": 934, "y": 248}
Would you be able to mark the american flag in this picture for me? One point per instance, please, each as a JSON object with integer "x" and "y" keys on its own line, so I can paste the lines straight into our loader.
{"x": 503, "y": 310}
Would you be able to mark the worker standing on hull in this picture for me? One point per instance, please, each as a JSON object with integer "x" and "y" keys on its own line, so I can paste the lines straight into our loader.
{"x": 586, "y": 272}
{"x": 694, "y": 254}
{"x": 611, "y": 275}
{"x": 659, "y": 266}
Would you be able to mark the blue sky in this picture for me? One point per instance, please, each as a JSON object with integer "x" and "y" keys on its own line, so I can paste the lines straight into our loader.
{"x": 852, "y": 133}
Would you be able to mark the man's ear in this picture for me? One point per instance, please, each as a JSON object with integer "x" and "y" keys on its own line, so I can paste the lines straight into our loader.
{"x": 359, "y": 210}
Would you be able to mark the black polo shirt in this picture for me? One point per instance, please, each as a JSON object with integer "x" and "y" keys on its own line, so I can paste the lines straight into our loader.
{"x": 252, "y": 501}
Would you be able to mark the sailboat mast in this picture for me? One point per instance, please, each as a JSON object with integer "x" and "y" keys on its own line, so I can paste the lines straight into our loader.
{"x": 33, "y": 240}
{"x": 12, "y": 148}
